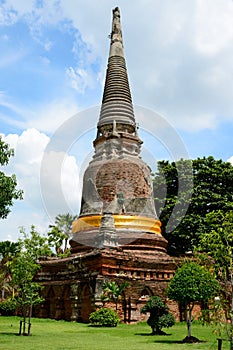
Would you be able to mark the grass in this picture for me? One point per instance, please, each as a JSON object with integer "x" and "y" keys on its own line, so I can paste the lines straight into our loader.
{"x": 61, "y": 335}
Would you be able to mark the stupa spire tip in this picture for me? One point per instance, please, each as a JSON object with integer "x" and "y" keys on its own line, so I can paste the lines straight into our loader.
{"x": 116, "y": 47}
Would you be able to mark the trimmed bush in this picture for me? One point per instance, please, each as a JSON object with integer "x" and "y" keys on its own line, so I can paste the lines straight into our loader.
{"x": 7, "y": 307}
{"x": 104, "y": 317}
{"x": 160, "y": 317}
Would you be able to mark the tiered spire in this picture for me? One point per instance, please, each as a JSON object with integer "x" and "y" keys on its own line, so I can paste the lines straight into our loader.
{"x": 117, "y": 102}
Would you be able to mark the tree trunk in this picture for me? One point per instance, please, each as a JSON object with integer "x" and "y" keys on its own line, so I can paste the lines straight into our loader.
{"x": 29, "y": 320}
{"x": 189, "y": 321}
{"x": 65, "y": 247}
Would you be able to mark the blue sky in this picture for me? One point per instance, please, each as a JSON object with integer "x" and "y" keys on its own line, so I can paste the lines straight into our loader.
{"x": 52, "y": 67}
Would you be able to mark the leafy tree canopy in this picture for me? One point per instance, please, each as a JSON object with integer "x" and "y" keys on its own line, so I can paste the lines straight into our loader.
{"x": 64, "y": 224}
{"x": 192, "y": 283}
{"x": 35, "y": 245}
{"x": 8, "y": 184}
{"x": 217, "y": 243}
{"x": 8, "y": 250}
{"x": 212, "y": 190}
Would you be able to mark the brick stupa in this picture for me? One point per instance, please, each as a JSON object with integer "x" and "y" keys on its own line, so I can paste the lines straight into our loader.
{"x": 117, "y": 236}
{"x": 117, "y": 202}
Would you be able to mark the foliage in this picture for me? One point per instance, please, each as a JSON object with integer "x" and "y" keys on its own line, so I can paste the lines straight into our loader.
{"x": 8, "y": 307}
{"x": 5, "y": 285}
{"x": 104, "y": 317}
{"x": 64, "y": 224}
{"x": 113, "y": 292}
{"x": 8, "y": 184}
{"x": 212, "y": 190}
{"x": 217, "y": 243}
{"x": 23, "y": 268}
{"x": 192, "y": 283}
{"x": 56, "y": 238}
{"x": 160, "y": 317}
{"x": 8, "y": 250}
{"x": 27, "y": 295}
{"x": 34, "y": 244}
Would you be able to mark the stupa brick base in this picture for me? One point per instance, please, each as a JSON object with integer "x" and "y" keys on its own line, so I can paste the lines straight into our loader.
{"x": 73, "y": 286}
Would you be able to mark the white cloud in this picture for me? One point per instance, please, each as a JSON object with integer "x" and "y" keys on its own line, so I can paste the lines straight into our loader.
{"x": 80, "y": 79}
{"x": 49, "y": 116}
{"x": 70, "y": 183}
{"x": 19, "y": 7}
{"x": 26, "y": 164}
{"x": 230, "y": 160}
{"x": 46, "y": 117}
{"x": 178, "y": 54}
{"x": 214, "y": 30}
{"x": 13, "y": 56}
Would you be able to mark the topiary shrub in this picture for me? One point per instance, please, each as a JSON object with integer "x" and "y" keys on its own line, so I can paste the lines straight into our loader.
{"x": 8, "y": 307}
{"x": 104, "y": 317}
{"x": 160, "y": 317}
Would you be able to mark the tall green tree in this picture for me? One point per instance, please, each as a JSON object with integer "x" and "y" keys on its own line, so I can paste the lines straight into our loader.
{"x": 64, "y": 223}
{"x": 27, "y": 295}
{"x": 160, "y": 317}
{"x": 217, "y": 243}
{"x": 23, "y": 269}
{"x": 8, "y": 184}
{"x": 212, "y": 190}
{"x": 192, "y": 283}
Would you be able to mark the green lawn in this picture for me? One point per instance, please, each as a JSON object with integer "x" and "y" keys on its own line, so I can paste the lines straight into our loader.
{"x": 61, "y": 335}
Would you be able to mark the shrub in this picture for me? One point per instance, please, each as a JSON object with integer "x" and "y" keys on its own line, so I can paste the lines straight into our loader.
{"x": 160, "y": 317}
{"x": 8, "y": 307}
{"x": 104, "y": 317}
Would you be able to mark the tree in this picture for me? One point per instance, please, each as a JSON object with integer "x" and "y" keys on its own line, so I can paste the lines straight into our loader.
{"x": 64, "y": 223}
{"x": 217, "y": 243}
{"x": 212, "y": 190}
{"x": 23, "y": 271}
{"x": 34, "y": 244}
{"x": 160, "y": 316}
{"x": 8, "y": 250}
{"x": 4, "y": 283}
{"x": 8, "y": 184}
{"x": 23, "y": 268}
{"x": 192, "y": 283}
{"x": 113, "y": 292}
{"x": 56, "y": 238}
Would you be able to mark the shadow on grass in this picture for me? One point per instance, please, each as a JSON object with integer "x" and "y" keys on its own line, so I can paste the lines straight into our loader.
{"x": 170, "y": 341}
{"x": 8, "y": 333}
{"x": 177, "y": 341}
{"x": 153, "y": 335}
{"x": 99, "y": 326}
